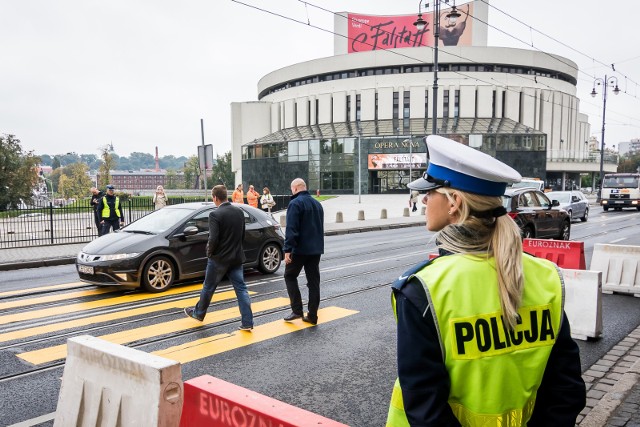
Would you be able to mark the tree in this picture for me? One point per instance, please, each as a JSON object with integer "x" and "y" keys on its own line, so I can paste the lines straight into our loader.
{"x": 56, "y": 163}
{"x": 74, "y": 183}
{"x": 192, "y": 173}
{"x": 18, "y": 172}
{"x": 221, "y": 172}
{"x": 108, "y": 164}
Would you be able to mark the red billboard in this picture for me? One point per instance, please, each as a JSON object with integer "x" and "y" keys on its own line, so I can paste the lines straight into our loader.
{"x": 370, "y": 32}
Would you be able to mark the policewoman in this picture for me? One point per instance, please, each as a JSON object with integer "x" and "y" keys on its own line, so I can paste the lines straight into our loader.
{"x": 482, "y": 335}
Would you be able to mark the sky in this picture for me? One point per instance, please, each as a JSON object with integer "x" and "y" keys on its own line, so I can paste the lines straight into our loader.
{"x": 76, "y": 75}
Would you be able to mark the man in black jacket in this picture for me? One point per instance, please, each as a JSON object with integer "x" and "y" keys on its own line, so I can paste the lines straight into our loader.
{"x": 225, "y": 256}
{"x": 96, "y": 195}
{"x": 303, "y": 246}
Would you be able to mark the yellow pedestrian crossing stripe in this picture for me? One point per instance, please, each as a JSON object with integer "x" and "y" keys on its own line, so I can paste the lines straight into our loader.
{"x": 53, "y": 298}
{"x": 50, "y": 354}
{"x": 110, "y": 317}
{"x": 44, "y": 288}
{"x": 220, "y": 343}
{"x": 89, "y": 305}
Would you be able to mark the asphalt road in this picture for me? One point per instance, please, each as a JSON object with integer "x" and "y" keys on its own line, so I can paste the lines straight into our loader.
{"x": 342, "y": 369}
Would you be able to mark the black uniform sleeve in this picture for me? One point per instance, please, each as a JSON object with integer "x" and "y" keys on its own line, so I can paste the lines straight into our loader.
{"x": 562, "y": 393}
{"x": 423, "y": 376}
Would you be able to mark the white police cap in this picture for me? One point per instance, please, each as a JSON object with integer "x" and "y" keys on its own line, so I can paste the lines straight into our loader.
{"x": 461, "y": 167}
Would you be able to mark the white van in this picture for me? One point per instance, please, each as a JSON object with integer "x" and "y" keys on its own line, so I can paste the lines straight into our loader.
{"x": 536, "y": 183}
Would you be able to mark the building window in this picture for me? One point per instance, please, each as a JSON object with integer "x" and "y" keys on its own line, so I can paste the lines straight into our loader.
{"x": 358, "y": 108}
{"x": 445, "y": 104}
{"x": 348, "y": 118}
{"x": 493, "y": 104}
{"x": 504, "y": 102}
{"x": 396, "y": 106}
{"x": 375, "y": 113}
{"x": 317, "y": 111}
{"x": 456, "y": 104}
{"x": 406, "y": 110}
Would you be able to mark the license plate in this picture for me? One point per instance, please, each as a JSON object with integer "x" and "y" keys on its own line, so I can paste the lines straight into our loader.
{"x": 618, "y": 201}
{"x": 86, "y": 269}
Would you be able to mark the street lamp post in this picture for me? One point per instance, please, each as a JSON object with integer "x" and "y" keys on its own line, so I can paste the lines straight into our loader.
{"x": 606, "y": 83}
{"x": 420, "y": 24}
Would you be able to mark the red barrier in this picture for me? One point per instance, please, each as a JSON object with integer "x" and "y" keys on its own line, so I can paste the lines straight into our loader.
{"x": 212, "y": 402}
{"x": 432, "y": 256}
{"x": 564, "y": 253}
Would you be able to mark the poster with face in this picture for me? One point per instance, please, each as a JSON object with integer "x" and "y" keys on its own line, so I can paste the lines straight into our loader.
{"x": 370, "y": 32}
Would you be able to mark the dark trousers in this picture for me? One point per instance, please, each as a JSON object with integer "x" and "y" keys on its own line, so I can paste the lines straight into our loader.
{"x": 97, "y": 219}
{"x": 311, "y": 264}
{"x": 110, "y": 223}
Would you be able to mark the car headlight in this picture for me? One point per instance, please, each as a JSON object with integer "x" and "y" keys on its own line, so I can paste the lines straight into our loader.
{"x": 114, "y": 257}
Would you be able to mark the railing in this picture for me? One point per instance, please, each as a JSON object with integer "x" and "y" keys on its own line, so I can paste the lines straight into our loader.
{"x": 54, "y": 225}
{"x": 582, "y": 157}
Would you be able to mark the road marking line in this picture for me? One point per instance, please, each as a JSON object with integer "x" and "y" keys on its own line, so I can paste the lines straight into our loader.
{"x": 43, "y": 288}
{"x": 220, "y": 343}
{"x": 103, "y": 318}
{"x": 90, "y": 305}
{"x": 618, "y": 240}
{"x": 50, "y": 354}
{"x": 53, "y": 298}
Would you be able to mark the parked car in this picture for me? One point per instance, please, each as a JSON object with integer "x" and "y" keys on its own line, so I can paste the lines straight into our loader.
{"x": 169, "y": 245}
{"x": 536, "y": 215}
{"x": 574, "y": 202}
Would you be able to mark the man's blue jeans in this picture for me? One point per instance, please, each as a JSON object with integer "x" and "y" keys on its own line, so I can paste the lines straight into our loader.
{"x": 213, "y": 275}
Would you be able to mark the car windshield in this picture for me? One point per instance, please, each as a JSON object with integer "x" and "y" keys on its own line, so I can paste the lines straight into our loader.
{"x": 526, "y": 184}
{"x": 506, "y": 201}
{"x": 158, "y": 221}
{"x": 620, "y": 182}
{"x": 561, "y": 197}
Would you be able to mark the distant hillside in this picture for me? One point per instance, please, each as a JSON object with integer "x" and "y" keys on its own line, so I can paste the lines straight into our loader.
{"x": 135, "y": 161}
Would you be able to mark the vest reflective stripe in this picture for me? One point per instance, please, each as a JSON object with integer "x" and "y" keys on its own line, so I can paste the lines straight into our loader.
{"x": 483, "y": 359}
{"x": 106, "y": 211}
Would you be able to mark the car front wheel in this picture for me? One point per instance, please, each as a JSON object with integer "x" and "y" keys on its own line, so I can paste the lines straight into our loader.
{"x": 158, "y": 274}
{"x": 565, "y": 231}
{"x": 528, "y": 233}
{"x": 585, "y": 216}
{"x": 270, "y": 258}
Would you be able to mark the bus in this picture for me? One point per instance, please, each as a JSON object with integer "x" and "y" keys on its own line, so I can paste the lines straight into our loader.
{"x": 620, "y": 190}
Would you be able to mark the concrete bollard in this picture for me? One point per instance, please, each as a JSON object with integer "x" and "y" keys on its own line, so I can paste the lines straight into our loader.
{"x": 339, "y": 217}
{"x": 423, "y": 211}
{"x": 283, "y": 221}
{"x": 406, "y": 212}
{"x": 360, "y": 215}
{"x": 383, "y": 214}
{"x": 106, "y": 384}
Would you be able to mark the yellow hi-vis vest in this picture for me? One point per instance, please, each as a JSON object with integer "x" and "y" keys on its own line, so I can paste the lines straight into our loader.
{"x": 494, "y": 373}
{"x": 106, "y": 211}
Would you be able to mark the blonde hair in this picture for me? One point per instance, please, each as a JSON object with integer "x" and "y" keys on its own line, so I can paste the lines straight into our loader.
{"x": 478, "y": 231}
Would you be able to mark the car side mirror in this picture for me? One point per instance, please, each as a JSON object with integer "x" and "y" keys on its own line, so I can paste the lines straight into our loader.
{"x": 555, "y": 203}
{"x": 190, "y": 230}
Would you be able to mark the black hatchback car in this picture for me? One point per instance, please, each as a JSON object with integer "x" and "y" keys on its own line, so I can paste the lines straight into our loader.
{"x": 169, "y": 245}
{"x": 536, "y": 215}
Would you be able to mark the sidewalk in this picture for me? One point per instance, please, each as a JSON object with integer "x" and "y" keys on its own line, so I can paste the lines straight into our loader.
{"x": 613, "y": 382}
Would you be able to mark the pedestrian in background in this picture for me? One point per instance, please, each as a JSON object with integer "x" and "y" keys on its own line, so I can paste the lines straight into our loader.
{"x": 160, "y": 199}
{"x": 413, "y": 200}
{"x": 252, "y": 197}
{"x": 238, "y": 195}
{"x": 303, "y": 246}
{"x": 96, "y": 195}
{"x": 110, "y": 211}
{"x": 225, "y": 256}
{"x": 266, "y": 200}
{"x": 482, "y": 337}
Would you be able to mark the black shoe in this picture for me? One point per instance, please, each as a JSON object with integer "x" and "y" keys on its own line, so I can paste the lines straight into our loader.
{"x": 189, "y": 311}
{"x": 292, "y": 316}
{"x": 245, "y": 328}
{"x": 312, "y": 320}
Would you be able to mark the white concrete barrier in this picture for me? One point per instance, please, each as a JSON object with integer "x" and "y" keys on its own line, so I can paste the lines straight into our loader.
{"x": 109, "y": 385}
{"x": 620, "y": 266}
{"x": 583, "y": 302}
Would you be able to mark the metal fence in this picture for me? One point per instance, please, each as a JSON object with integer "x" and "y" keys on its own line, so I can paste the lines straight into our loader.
{"x": 54, "y": 225}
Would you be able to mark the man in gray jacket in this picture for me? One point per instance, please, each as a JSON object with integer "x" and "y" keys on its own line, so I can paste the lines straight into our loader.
{"x": 225, "y": 256}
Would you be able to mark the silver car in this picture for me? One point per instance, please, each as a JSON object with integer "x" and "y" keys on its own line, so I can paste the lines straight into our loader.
{"x": 574, "y": 202}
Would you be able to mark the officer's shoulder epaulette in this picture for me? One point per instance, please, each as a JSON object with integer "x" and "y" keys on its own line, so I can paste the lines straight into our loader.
{"x": 401, "y": 281}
